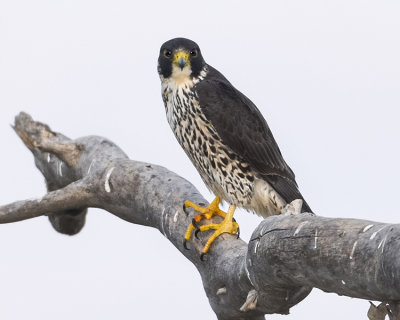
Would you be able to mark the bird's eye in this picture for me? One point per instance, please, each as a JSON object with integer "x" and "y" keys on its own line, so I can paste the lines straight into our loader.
{"x": 167, "y": 53}
{"x": 193, "y": 53}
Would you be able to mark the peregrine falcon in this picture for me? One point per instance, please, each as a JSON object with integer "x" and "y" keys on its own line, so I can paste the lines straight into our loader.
{"x": 226, "y": 138}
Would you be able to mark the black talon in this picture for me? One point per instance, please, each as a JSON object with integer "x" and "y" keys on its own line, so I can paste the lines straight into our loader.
{"x": 185, "y": 244}
{"x": 238, "y": 233}
{"x": 184, "y": 209}
{"x": 196, "y": 232}
{"x": 233, "y": 219}
{"x": 202, "y": 256}
{"x": 194, "y": 223}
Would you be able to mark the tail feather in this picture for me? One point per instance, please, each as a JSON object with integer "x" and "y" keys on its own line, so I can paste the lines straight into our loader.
{"x": 287, "y": 189}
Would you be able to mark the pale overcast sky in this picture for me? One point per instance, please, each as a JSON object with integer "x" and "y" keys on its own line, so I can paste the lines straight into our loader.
{"x": 325, "y": 74}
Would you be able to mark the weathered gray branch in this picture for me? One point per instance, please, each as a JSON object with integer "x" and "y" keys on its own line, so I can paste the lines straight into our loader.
{"x": 286, "y": 257}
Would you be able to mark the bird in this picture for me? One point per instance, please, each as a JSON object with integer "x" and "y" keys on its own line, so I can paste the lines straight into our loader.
{"x": 226, "y": 138}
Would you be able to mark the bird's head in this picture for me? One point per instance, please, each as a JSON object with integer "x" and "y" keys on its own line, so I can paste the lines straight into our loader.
{"x": 180, "y": 59}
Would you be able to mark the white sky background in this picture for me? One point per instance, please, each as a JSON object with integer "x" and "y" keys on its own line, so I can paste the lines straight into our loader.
{"x": 325, "y": 74}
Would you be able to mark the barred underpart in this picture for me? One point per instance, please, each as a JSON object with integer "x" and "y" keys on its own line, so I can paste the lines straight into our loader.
{"x": 222, "y": 170}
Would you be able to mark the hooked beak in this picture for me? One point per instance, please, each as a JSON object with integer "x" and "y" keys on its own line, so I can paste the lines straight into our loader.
{"x": 181, "y": 59}
{"x": 182, "y": 62}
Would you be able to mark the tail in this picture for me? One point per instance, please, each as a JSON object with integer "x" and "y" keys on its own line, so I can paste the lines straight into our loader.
{"x": 287, "y": 189}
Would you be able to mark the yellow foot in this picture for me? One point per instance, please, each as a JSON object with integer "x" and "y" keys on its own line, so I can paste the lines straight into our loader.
{"x": 228, "y": 225}
{"x": 208, "y": 212}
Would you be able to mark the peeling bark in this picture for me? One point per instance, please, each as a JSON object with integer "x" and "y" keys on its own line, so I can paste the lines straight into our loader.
{"x": 286, "y": 257}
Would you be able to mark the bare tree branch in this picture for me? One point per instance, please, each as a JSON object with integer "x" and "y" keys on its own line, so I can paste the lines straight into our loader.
{"x": 286, "y": 257}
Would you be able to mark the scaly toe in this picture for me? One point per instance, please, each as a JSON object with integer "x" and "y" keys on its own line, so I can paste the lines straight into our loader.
{"x": 228, "y": 225}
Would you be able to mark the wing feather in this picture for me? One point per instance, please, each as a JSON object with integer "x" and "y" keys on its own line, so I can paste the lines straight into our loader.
{"x": 241, "y": 125}
{"x": 243, "y": 129}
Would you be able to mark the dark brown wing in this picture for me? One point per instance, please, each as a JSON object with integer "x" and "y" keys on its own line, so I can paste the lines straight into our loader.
{"x": 242, "y": 128}
{"x": 240, "y": 125}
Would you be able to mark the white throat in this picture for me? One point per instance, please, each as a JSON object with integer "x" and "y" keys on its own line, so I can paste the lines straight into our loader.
{"x": 180, "y": 76}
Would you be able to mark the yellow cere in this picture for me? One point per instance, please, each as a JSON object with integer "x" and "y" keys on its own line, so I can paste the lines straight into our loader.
{"x": 180, "y": 54}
